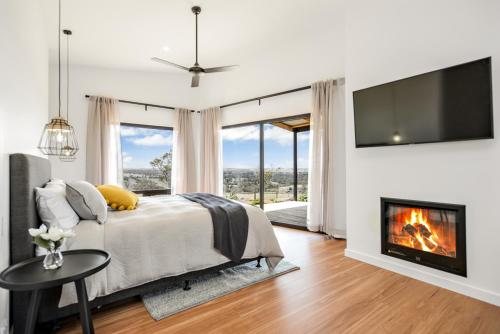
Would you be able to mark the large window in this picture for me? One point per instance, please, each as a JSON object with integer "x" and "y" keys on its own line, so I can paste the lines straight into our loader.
{"x": 267, "y": 160}
{"x": 302, "y": 165}
{"x": 278, "y": 164}
{"x": 147, "y": 158}
{"x": 242, "y": 163}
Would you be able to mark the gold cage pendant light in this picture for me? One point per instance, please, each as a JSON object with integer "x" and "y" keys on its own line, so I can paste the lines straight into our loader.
{"x": 58, "y": 136}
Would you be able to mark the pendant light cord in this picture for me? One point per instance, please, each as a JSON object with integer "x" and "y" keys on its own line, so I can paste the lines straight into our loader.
{"x": 67, "y": 77}
{"x": 59, "y": 55}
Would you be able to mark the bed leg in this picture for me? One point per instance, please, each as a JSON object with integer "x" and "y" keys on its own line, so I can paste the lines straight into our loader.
{"x": 258, "y": 262}
{"x": 186, "y": 286}
{"x": 56, "y": 326}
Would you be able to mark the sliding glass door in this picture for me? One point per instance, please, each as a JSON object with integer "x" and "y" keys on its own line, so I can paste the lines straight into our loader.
{"x": 302, "y": 164}
{"x": 269, "y": 160}
{"x": 241, "y": 163}
{"x": 278, "y": 164}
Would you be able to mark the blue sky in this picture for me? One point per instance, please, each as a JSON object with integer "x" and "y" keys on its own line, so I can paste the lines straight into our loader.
{"x": 241, "y": 147}
{"x": 141, "y": 145}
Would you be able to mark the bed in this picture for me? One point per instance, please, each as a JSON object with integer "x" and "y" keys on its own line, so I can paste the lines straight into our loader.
{"x": 166, "y": 238}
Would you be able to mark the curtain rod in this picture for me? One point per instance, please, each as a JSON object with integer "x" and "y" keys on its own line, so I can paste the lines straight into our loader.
{"x": 146, "y": 105}
{"x": 267, "y": 96}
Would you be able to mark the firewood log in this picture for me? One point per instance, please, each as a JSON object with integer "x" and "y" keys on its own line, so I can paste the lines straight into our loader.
{"x": 424, "y": 231}
{"x": 410, "y": 229}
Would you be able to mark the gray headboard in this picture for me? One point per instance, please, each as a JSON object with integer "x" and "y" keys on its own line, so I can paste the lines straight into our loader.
{"x": 26, "y": 173}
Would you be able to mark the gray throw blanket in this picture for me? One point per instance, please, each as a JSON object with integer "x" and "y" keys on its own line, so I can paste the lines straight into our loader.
{"x": 230, "y": 221}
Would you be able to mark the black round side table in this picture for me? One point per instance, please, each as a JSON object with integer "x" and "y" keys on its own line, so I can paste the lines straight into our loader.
{"x": 30, "y": 275}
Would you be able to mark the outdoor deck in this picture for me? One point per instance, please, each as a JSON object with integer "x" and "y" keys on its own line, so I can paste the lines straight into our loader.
{"x": 291, "y": 213}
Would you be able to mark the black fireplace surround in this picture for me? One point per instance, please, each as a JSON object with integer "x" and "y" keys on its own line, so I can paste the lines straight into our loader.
{"x": 427, "y": 233}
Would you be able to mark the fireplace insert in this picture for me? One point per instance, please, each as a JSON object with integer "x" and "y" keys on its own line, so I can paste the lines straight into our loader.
{"x": 427, "y": 233}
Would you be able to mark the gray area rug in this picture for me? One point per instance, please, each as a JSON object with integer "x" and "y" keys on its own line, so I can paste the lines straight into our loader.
{"x": 173, "y": 299}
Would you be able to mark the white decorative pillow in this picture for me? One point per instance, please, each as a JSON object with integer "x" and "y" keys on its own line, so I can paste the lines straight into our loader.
{"x": 87, "y": 201}
{"x": 53, "y": 208}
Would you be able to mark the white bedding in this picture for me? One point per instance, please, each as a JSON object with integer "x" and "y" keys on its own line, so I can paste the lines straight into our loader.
{"x": 164, "y": 236}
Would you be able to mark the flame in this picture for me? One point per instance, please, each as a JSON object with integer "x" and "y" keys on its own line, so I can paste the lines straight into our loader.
{"x": 411, "y": 227}
{"x": 417, "y": 217}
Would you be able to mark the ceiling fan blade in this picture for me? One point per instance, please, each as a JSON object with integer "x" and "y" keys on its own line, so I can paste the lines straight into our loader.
{"x": 220, "y": 69}
{"x": 195, "y": 82}
{"x": 165, "y": 62}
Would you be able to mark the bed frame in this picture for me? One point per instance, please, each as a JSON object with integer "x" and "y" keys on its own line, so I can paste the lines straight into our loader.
{"x": 26, "y": 173}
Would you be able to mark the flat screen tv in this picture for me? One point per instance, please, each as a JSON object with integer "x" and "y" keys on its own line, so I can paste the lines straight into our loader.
{"x": 451, "y": 104}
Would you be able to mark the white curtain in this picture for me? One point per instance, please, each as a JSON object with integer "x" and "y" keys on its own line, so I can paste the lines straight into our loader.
{"x": 328, "y": 100}
{"x": 103, "y": 151}
{"x": 184, "y": 157}
{"x": 210, "y": 151}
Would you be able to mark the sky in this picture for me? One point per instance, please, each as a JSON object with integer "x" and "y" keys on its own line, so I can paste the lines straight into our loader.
{"x": 240, "y": 147}
{"x": 141, "y": 145}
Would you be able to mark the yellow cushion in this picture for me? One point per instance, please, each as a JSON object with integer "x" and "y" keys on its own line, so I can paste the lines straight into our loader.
{"x": 118, "y": 198}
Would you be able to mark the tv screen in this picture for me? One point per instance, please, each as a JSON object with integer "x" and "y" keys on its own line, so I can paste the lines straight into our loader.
{"x": 451, "y": 104}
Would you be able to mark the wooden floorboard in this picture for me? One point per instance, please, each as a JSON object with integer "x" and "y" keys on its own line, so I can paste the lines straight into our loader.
{"x": 330, "y": 294}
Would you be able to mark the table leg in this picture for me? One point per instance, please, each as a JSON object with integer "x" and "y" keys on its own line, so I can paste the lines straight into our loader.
{"x": 83, "y": 304}
{"x": 32, "y": 315}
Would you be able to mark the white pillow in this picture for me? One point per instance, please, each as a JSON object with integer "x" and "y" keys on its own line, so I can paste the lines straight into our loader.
{"x": 87, "y": 201}
{"x": 53, "y": 208}
{"x": 57, "y": 185}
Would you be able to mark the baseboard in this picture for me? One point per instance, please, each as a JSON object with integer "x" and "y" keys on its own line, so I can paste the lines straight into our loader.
{"x": 438, "y": 280}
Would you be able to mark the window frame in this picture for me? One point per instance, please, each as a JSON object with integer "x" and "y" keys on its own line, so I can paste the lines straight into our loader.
{"x": 154, "y": 127}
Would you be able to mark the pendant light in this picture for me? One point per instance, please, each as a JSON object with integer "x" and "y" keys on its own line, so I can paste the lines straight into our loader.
{"x": 58, "y": 136}
{"x": 69, "y": 152}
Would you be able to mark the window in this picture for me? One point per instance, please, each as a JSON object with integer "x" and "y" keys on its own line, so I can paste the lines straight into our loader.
{"x": 241, "y": 177}
{"x": 146, "y": 158}
{"x": 267, "y": 160}
{"x": 302, "y": 161}
{"x": 278, "y": 164}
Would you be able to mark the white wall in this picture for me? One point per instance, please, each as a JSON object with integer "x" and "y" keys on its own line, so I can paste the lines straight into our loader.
{"x": 162, "y": 89}
{"x": 392, "y": 39}
{"x": 289, "y": 66}
{"x": 23, "y": 102}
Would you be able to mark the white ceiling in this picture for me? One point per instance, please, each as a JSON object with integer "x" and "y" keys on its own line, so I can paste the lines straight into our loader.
{"x": 125, "y": 34}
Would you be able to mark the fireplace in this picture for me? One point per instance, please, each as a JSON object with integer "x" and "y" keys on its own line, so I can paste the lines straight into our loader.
{"x": 430, "y": 234}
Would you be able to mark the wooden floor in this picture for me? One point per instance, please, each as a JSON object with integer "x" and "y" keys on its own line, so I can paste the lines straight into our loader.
{"x": 330, "y": 294}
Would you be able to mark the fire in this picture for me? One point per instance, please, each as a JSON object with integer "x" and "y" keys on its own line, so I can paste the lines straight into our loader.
{"x": 419, "y": 221}
{"x": 413, "y": 228}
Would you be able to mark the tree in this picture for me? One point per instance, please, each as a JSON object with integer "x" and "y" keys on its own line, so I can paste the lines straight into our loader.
{"x": 267, "y": 178}
{"x": 163, "y": 164}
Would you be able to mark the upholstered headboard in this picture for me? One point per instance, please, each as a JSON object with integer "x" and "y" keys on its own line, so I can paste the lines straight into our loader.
{"x": 26, "y": 173}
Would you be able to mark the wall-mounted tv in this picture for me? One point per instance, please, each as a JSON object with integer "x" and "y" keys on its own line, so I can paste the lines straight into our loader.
{"x": 451, "y": 104}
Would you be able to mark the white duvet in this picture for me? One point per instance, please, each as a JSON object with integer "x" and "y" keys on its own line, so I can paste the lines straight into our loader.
{"x": 164, "y": 236}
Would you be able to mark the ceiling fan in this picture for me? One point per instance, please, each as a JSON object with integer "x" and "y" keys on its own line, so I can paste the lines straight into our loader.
{"x": 196, "y": 69}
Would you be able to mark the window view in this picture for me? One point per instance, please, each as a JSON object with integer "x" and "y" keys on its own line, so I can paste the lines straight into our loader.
{"x": 302, "y": 165}
{"x": 147, "y": 158}
{"x": 241, "y": 147}
{"x": 278, "y": 164}
{"x": 285, "y": 160}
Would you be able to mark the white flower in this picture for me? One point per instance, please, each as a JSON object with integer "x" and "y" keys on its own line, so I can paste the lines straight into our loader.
{"x": 34, "y": 232}
{"x": 54, "y": 234}
{"x": 68, "y": 233}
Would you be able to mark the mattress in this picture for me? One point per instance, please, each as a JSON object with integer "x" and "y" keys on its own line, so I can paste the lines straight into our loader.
{"x": 165, "y": 236}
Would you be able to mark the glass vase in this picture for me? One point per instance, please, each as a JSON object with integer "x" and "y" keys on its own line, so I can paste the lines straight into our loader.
{"x": 53, "y": 259}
